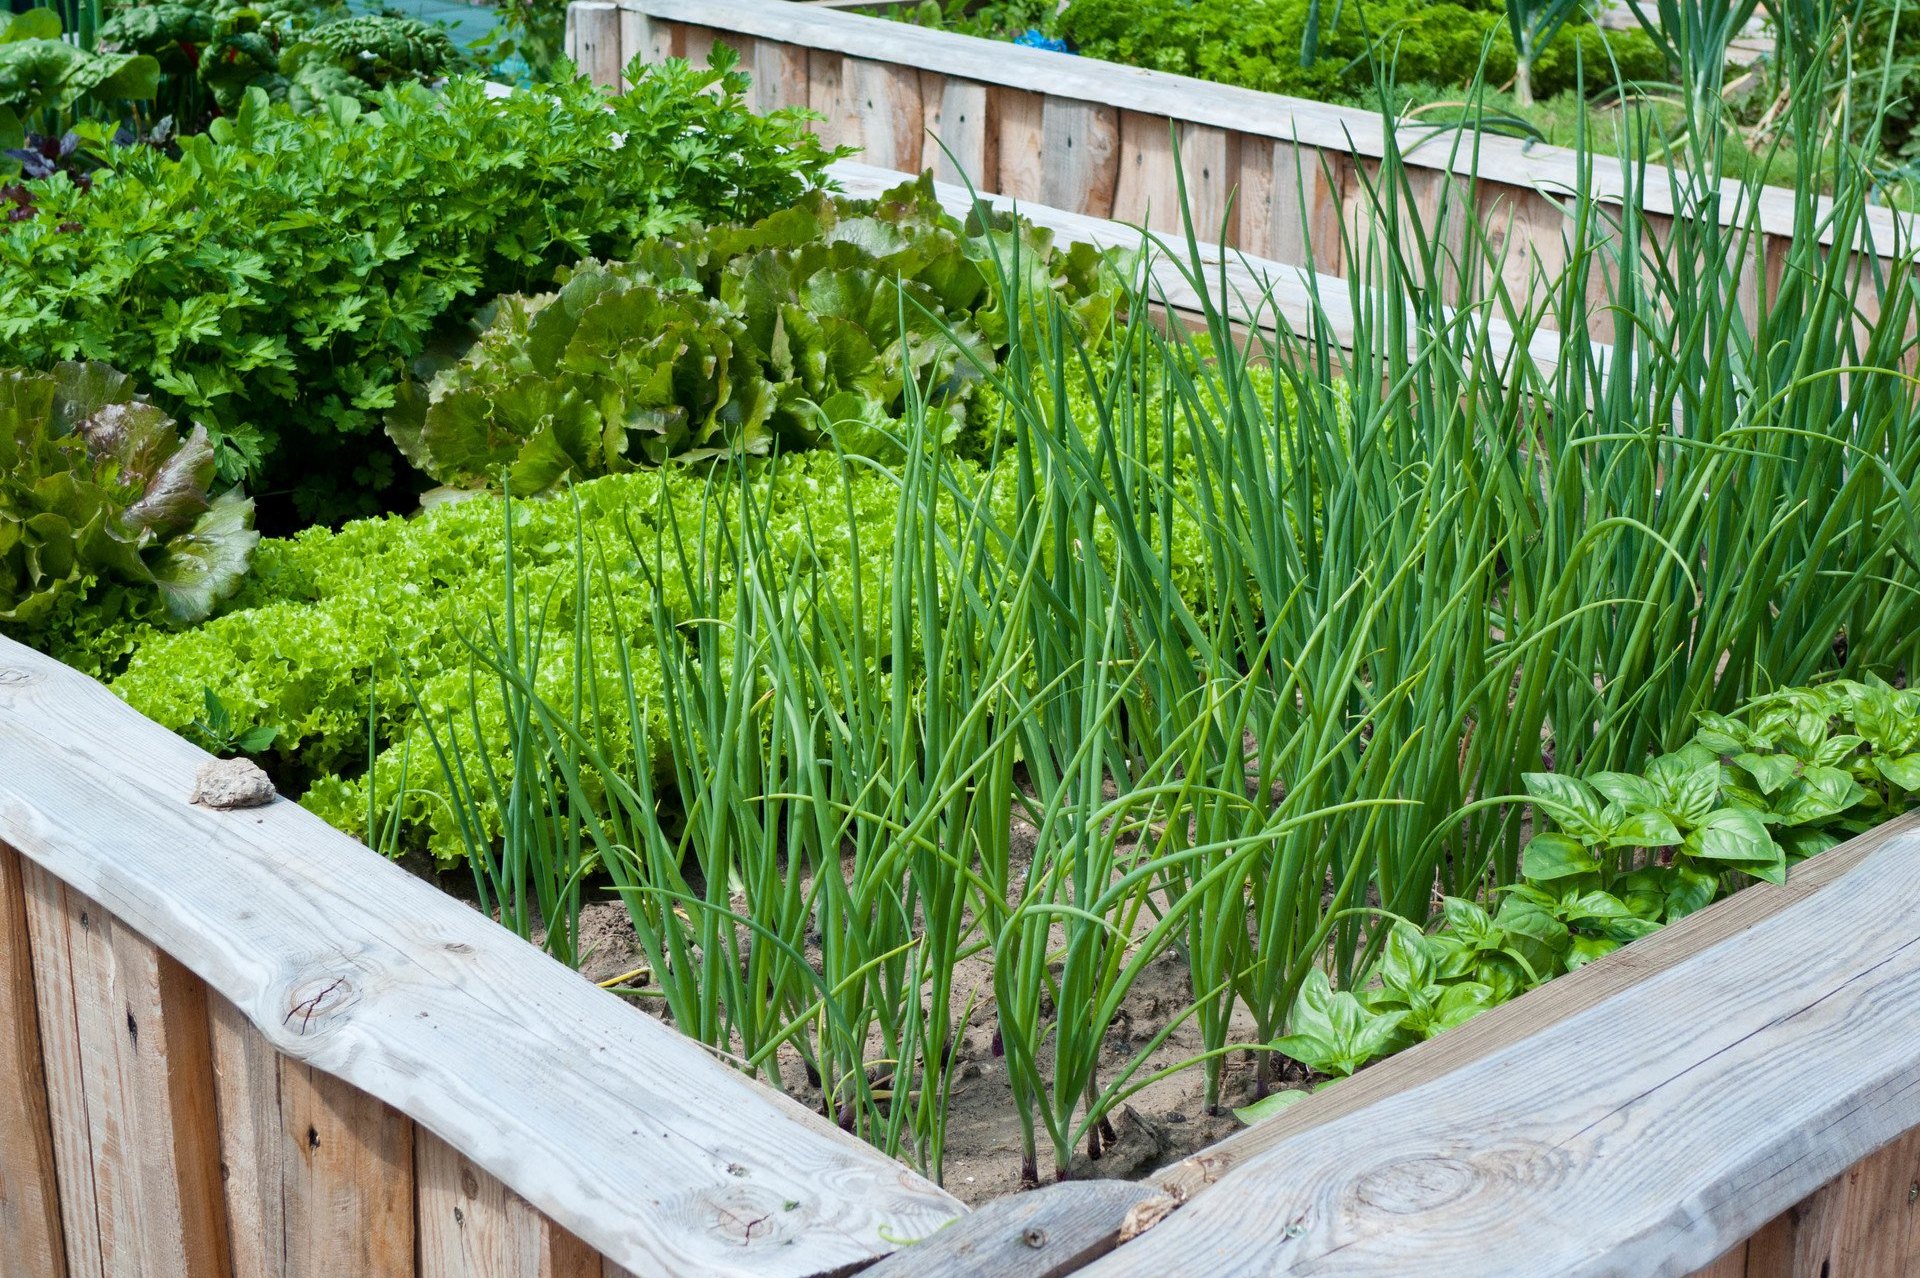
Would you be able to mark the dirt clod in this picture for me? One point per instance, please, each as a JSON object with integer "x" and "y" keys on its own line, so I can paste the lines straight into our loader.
{"x": 226, "y": 784}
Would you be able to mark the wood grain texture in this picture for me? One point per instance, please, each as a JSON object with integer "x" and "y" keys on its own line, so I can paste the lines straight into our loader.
{"x": 1558, "y": 1000}
{"x": 1146, "y": 192}
{"x": 1039, "y": 1234}
{"x": 130, "y": 1092}
{"x": 1645, "y": 1135}
{"x": 593, "y": 40}
{"x": 472, "y": 1226}
{"x": 1209, "y": 164}
{"x": 826, "y": 81}
{"x": 29, "y": 1191}
{"x": 346, "y": 1179}
{"x": 1876, "y": 1234}
{"x": 1799, "y": 1243}
{"x": 623, "y": 1132}
{"x": 1019, "y": 125}
{"x": 886, "y": 100}
{"x": 1304, "y": 217}
{"x": 779, "y": 76}
{"x": 643, "y": 38}
{"x": 246, "y": 1088}
{"x": 695, "y": 44}
{"x": 1731, "y": 1265}
{"x": 1081, "y": 142}
{"x": 1248, "y": 112}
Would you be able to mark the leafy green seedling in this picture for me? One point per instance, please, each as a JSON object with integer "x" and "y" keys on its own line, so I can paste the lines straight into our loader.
{"x": 218, "y": 732}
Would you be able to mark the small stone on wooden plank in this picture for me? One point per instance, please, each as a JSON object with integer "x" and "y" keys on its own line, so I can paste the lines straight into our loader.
{"x": 1039, "y": 1234}
{"x": 226, "y": 784}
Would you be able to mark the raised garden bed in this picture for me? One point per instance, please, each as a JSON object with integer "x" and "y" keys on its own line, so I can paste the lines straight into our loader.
{"x": 1357, "y": 629}
{"x": 241, "y": 1042}
{"x": 1280, "y": 175}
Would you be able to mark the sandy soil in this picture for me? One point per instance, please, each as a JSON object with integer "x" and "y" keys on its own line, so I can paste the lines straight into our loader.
{"x": 1161, "y": 1124}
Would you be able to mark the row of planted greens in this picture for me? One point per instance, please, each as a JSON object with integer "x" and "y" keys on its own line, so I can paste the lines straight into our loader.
{"x": 857, "y": 592}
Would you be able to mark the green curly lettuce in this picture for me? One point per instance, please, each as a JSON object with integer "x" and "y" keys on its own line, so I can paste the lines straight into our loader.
{"x": 96, "y": 485}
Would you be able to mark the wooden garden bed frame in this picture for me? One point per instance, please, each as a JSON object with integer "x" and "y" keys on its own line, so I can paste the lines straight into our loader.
{"x": 242, "y": 1043}
{"x": 1279, "y": 174}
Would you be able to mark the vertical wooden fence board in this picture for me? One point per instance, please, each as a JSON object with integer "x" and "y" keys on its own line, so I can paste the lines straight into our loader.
{"x": 253, "y": 1143}
{"x": 826, "y": 75}
{"x": 696, "y": 44}
{"x": 1876, "y": 1235}
{"x": 348, "y": 1179}
{"x": 472, "y": 1226}
{"x": 130, "y": 1094}
{"x": 1146, "y": 193}
{"x": 1253, "y": 196}
{"x": 1799, "y": 1243}
{"x": 1443, "y": 203}
{"x": 1019, "y": 125}
{"x": 779, "y": 76}
{"x": 1301, "y": 211}
{"x": 969, "y": 143}
{"x": 593, "y": 41}
{"x": 1209, "y": 162}
{"x": 1527, "y": 234}
{"x": 1081, "y": 142}
{"x": 30, "y": 1235}
{"x": 643, "y": 37}
{"x": 46, "y": 912}
{"x": 886, "y": 100}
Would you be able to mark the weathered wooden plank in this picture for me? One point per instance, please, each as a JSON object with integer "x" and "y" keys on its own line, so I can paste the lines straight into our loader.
{"x": 54, "y": 994}
{"x": 29, "y": 1191}
{"x": 641, "y": 37}
{"x": 1731, "y": 1265}
{"x": 1040, "y": 1234}
{"x": 1243, "y": 111}
{"x": 626, "y": 1134}
{"x": 1443, "y": 206}
{"x": 779, "y": 76}
{"x": 1644, "y": 1135}
{"x": 1081, "y": 143}
{"x": 1147, "y": 191}
{"x": 593, "y": 40}
{"x": 130, "y": 1092}
{"x": 1527, "y": 235}
{"x": 886, "y": 99}
{"x": 1512, "y": 1023}
{"x": 1019, "y": 127}
{"x": 696, "y": 43}
{"x": 1799, "y": 1243}
{"x": 347, "y": 1179}
{"x": 246, "y": 1088}
{"x": 1304, "y": 229}
{"x": 1209, "y": 159}
{"x": 826, "y": 82}
{"x": 1876, "y": 1236}
{"x": 472, "y": 1226}
{"x": 969, "y": 144}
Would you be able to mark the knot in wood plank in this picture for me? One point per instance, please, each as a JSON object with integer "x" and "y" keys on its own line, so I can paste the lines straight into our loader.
{"x": 14, "y": 677}
{"x": 319, "y": 1003}
{"x": 1414, "y": 1185}
{"x": 746, "y": 1215}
